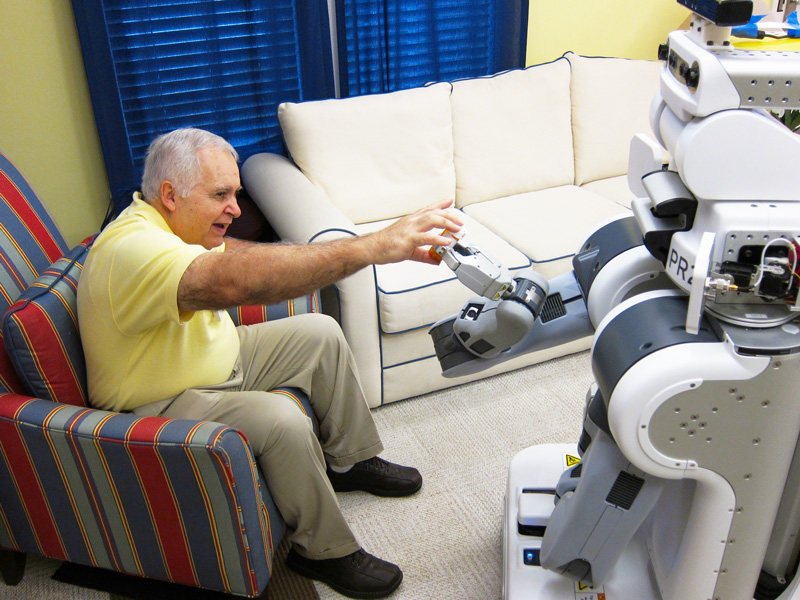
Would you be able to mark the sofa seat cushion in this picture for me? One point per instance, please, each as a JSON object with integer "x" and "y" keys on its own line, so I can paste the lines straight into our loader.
{"x": 548, "y": 225}
{"x": 602, "y": 130}
{"x": 414, "y": 295}
{"x": 615, "y": 189}
{"x": 512, "y": 132}
{"x": 423, "y": 374}
{"x": 379, "y": 156}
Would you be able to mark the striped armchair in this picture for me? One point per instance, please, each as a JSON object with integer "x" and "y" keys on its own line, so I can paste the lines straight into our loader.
{"x": 171, "y": 499}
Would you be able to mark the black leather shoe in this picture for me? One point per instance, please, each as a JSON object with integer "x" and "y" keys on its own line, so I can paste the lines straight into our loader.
{"x": 357, "y": 575}
{"x": 377, "y": 477}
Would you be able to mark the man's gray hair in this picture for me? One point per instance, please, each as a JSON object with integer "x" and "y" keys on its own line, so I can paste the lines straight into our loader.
{"x": 173, "y": 157}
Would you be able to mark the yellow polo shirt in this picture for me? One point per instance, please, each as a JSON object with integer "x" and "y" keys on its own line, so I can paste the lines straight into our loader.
{"x": 139, "y": 348}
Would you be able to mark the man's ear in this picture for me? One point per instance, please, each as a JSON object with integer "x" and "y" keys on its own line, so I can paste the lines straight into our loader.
{"x": 167, "y": 194}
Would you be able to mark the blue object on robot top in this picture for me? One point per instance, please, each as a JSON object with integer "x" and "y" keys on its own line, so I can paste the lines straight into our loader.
{"x": 752, "y": 30}
{"x": 794, "y": 22}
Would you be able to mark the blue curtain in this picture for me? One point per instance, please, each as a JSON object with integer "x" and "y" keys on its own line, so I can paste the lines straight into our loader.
{"x": 387, "y": 45}
{"x": 221, "y": 65}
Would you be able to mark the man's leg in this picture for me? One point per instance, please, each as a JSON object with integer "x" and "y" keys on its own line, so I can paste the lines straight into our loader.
{"x": 310, "y": 352}
{"x": 287, "y": 450}
{"x": 289, "y": 455}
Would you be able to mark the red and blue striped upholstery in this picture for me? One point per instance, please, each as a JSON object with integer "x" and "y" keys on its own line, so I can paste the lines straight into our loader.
{"x": 29, "y": 238}
{"x": 249, "y": 315}
{"x": 40, "y": 333}
{"x": 29, "y": 243}
{"x": 170, "y": 499}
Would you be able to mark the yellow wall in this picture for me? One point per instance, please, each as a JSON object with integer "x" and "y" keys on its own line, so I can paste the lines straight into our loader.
{"x": 47, "y": 126}
{"x": 46, "y": 122}
{"x": 623, "y": 28}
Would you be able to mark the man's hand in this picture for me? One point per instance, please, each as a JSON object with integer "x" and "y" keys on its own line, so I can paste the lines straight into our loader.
{"x": 408, "y": 238}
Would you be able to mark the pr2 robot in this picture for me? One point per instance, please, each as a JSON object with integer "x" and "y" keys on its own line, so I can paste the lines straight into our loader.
{"x": 686, "y": 481}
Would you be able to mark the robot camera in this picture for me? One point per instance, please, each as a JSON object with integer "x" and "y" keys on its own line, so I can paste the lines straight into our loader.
{"x": 724, "y": 13}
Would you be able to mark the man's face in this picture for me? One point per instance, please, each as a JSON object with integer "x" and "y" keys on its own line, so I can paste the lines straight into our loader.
{"x": 202, "y": 217}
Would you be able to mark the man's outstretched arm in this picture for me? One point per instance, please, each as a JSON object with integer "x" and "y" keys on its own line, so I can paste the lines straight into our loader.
{"x": 249, "y": 273}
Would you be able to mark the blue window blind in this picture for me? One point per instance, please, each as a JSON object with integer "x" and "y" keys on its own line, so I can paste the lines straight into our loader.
{"x": 221, "y": 65}
{"x": 387, "y": 45}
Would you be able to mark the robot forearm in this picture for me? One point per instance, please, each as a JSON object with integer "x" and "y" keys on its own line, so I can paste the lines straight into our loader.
{"x": 502, "y": 316}
{"x": 487, "y": 327}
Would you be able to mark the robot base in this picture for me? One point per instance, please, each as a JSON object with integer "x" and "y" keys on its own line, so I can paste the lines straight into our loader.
{"x": 539, "y": 468}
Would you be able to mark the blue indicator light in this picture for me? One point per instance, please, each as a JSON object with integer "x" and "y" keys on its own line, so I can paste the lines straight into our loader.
{"x": 530, "y": 556}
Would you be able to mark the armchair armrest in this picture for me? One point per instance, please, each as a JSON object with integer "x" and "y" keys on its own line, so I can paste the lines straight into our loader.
{"x": 173, "y": 499}
{"x": 252, "y": 314}
{"x": 297, "y": 210}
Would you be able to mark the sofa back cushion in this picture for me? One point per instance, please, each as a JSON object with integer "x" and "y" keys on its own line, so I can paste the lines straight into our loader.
{"x": 512, "y": 132}
{"x": 375, "y": 157}
{"x": 611, "y": 100}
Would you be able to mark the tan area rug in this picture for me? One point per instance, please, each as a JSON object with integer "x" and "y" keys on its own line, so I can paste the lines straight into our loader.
{"x": 448, "y": 537}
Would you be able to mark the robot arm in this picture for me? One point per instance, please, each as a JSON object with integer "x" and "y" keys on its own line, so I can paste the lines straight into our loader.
{"x": 503, "y": 313}
{"x": 719, "y": 222}
{"x": 532, "y": 313}
{"x": 488, "y": 327}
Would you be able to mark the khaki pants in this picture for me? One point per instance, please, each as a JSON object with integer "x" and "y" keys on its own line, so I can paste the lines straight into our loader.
{"x": 308, "y": 352}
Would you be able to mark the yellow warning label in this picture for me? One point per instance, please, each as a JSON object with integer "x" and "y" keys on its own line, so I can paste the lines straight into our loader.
{"x": 584, "y": 592}
{"x": 571, "y": 460}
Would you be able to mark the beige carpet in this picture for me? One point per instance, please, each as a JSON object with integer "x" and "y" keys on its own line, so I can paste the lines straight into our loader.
{"x": 447, "y": 538}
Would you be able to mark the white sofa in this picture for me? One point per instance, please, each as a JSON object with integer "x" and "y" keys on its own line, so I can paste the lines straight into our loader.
{"x": 535, "y": 159}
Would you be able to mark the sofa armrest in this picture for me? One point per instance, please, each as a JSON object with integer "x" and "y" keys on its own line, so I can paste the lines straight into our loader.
{"x": 296, "y": 209}
{"x": 150, "y": 496}
{"x": 299, "y": 212}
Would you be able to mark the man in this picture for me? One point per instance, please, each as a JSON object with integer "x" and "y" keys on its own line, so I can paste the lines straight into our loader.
{"x": 157, "y": 340}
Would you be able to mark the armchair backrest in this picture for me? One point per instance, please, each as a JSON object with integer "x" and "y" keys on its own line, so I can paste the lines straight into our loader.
{"x": 29, "y": 243}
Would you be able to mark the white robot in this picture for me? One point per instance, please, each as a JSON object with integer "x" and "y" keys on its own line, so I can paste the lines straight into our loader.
{"x": 685, "y": 484}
